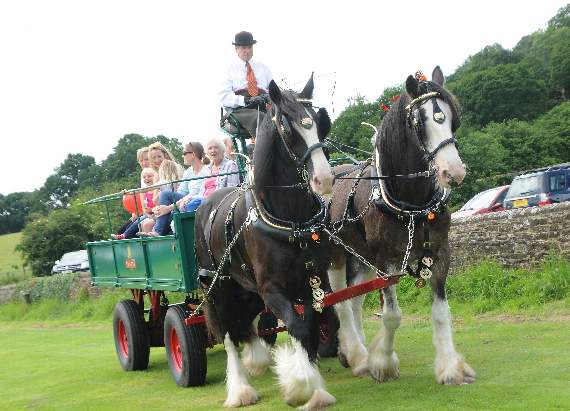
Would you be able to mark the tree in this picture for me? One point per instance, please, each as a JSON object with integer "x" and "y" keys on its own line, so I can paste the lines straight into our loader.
{"x": 60, "y": 187}
{"x": 490, "y": 56}
{"x": 14, "y": 210}
{"x": 46, "y": 239}
{"x": 347, "y": 127}
{"x": 500, "y": 93}
{"x": 561, "y": 19}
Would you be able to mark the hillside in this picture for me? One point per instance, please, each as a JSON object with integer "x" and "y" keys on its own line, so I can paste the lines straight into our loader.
{"x": 10, "y": 260}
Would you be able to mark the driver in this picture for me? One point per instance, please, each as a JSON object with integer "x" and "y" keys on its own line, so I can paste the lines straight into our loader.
{"x": 244, "y": 91}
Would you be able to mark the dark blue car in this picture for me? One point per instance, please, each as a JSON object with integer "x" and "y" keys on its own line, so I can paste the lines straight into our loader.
{"x": 540, "y": 187}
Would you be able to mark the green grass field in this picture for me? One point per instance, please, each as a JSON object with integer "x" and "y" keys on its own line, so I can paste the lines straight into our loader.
{"x": 11, "y": 270}
{"x": 522, "y": 363}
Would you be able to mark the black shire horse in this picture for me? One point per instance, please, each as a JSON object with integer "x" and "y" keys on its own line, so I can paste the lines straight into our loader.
{"x": 378, "y": 221}
{"x": 278, "y": 258}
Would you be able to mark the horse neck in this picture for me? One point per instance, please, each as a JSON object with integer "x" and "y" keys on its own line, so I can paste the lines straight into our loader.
{"x": 400, "y": 154}
{"x": 273, "y": 167}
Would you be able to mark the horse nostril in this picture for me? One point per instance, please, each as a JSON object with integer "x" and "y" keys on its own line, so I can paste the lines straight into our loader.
{"x": 316, "y": 181}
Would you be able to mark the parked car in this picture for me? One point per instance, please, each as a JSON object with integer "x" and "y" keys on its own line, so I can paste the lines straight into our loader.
{"x": 487, "y": 201}
{"x": 71, "y": 262}
{"x": 540, "y": 187}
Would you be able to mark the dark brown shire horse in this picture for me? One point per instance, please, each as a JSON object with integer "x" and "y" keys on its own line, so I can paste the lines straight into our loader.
{"x": 278, "y": 258}
{"x": 398, "y": 215}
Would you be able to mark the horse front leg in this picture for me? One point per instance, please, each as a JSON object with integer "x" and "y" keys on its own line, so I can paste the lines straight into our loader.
{"x": 298, "y": 375}
{"x": 450, "y": 367}
{"x": 255, "y": 353}
{"x": 350, "y": 333}
{"x": 383, "y": 362}
{"x": 240, "y": 392}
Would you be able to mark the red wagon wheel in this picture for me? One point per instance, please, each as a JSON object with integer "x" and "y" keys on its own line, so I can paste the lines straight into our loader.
{"x": 185, "y": 348}
{"x": 131, "y": 336}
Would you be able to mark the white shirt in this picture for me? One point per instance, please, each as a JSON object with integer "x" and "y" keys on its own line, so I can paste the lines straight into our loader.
{"x": 236, "y": 79}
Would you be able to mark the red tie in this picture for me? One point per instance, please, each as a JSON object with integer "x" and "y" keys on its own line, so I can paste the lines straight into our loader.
{"x": 252, "y": 88}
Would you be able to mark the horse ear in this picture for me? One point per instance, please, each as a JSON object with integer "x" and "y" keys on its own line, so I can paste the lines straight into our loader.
{"x": 274, "y": 93}
{"x": 437, "y": 76}
{"x": 323, "y": 123}
{"x": 308, "y": 90}
{"x": 412, "y": 87}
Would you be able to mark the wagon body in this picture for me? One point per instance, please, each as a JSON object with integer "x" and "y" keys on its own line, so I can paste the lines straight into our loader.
{"x": 165, "y": 263}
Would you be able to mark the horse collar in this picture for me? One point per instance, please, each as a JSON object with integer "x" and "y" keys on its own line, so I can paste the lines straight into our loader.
{"x": 289, "y": 231}
{"x": 387, "y": 204}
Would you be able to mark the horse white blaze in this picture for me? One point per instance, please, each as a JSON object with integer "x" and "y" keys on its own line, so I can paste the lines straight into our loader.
{"x": 447, "y": 161}
{"x": 240, "y": 393}
{"x": 300, "y": 380}
{"x": 351, "y": 343}
{"x": 322, "y": 178}
{"x": 450, "y": 367}
{"x": 383, "y": 363}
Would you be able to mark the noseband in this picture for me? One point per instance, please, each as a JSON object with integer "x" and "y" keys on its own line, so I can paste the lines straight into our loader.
{"x": 416, "y": 123}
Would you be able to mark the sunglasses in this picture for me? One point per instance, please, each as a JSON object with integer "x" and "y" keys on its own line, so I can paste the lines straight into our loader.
{"x": 188, "y": 152}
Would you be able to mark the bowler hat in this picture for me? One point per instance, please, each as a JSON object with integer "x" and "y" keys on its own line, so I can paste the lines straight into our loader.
{"x": 244, "y": 38}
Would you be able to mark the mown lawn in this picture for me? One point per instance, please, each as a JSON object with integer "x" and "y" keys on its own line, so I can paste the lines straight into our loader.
{"x": 522, "y": 363}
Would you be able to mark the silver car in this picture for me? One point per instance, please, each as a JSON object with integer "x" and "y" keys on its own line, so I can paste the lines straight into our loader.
{"x": 71, "y": 262}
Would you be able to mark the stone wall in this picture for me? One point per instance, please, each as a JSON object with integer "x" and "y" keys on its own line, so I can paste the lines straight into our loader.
{"x": 8, "y": 292}
{"x": 515, "y": 238}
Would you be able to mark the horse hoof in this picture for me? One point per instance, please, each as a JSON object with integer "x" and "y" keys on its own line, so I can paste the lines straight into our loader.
{"x": 241, "y": 397}
{"x": 342, "y": 359}
{"x": 457, "y": 374}
{"x": 360, "y": 370}
{"x": 384, "y": 368}
{"x": 319, "y": 400}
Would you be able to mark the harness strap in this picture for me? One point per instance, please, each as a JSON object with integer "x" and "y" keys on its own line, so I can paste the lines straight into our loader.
{"x": 210, "y": 224}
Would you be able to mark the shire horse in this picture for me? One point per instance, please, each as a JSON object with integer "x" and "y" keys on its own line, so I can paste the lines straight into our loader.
{"x": 277, "y": 260}
{"x": 400, "y": 195}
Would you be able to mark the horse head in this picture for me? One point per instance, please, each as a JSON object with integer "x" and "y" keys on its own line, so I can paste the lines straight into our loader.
{"x": 303, "y": 131}
{"x": 434, "y": 116}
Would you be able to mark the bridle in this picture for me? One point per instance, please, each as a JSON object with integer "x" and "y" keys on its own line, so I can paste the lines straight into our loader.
{"x": 291, "y": 231}
{"x": 285, "y": 132}
{"x": 415, "y": 121}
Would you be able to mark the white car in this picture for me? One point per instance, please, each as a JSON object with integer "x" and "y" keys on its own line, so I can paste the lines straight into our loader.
{"x": 71, "y": 262}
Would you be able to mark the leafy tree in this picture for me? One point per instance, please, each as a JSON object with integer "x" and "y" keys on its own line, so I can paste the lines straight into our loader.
{"x": 60, "y": 187}
{"x": 500, "y": 93}
{"x": 561, "y": 19}
{"x": 560, "y": 61}
{"x": 490, "y": 56}
{"x": 552, "y": 132}
{"x": 46, "y": 239}
{"x": 347, "y": 128}
{"x": 14, "y": 210}
{"x": 122, "y": 162}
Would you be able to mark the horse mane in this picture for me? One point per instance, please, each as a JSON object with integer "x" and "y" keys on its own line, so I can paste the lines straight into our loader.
{"x": 399, "y": 147}
{"x": 266, "y": 152}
